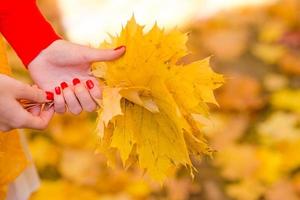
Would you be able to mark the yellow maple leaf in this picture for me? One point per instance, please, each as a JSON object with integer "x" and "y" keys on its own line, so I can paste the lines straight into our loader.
{"x": 149, "y": 100}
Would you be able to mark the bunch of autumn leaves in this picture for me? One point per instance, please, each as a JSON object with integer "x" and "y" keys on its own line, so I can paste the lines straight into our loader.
{"x": 152, "y": 106}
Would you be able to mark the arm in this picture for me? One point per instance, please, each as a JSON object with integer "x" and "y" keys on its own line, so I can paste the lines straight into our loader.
{"x": 22, "y": 24}
{"x": 54, "y": 65}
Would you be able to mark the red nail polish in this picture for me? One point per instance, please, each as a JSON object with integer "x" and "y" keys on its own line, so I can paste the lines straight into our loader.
{"x": 120, "y": 47}
{"x": 49, "y": 95}
{"x": 76, "y": 81}
{"x": 89, "y": 84}
{"x": 64, "y": 85}
{"x": 57, "y": 90}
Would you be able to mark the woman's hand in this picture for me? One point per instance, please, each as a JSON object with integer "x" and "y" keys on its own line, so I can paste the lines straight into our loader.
{"x": 64, "y": 69}
{"x": 12, "y": 114}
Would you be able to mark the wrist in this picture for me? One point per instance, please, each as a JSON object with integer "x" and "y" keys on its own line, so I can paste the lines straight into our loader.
{"x": 45, "y": 54}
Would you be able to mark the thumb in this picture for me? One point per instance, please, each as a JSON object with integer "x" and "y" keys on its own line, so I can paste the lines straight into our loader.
{"x": 93, "y": 55}
{"x": 31, "y": 93}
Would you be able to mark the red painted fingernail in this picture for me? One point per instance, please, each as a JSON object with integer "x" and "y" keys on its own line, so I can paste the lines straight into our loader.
{"x": 76, "y": 81}
{"x": 57, "y": 90}
{"x": 120, "y": 47}
{"x": 49, "y": 95}
{"x": 89, "y": 84}
{"x": 64, "y": 85}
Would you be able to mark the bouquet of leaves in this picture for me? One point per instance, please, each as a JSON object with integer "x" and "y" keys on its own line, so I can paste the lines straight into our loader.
{"x": 152, "y": 105}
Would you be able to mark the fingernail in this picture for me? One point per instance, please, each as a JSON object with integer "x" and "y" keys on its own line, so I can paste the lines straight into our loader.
{"x": 76, "y": 81}
{"x": 120, "y": 47}
{"x": 49, "y": 95}
{"x": 57, "y": 90}
{"x": 89, "y": 84}
{"x": 64, "y": 85}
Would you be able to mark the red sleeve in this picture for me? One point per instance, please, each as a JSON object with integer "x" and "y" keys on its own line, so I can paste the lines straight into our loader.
{"x": 24, "y": 27}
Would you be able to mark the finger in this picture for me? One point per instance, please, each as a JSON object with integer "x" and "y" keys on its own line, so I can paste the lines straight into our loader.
{"x": 93, "y": 55}
{"x": 33, "y": 94}
{"x": 59, "y": 101}
{"x": 25, "y": 119}
{"x": 38, "y": 122}
{"x": 84, "y": 97}
{"x": 35, "y": 86}
{"x": 71, "y": 100}
{"x": 35, "y": 110}
{"x": 94, "y": 89}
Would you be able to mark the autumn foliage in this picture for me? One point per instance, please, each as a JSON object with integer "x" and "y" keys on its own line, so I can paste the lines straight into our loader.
{"x": 255, "y": 130}
{"x": 151, "y": 104}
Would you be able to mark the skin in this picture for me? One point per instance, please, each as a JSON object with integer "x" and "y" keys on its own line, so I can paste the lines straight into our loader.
{"x": 13, "y": 115}
{"x": 63, "y": 61}
{"x": 60, "y": 62}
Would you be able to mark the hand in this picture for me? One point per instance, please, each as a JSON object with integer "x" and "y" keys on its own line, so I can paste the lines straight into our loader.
{"x": 64, "y": 68}
{"x": 12, "y": 114}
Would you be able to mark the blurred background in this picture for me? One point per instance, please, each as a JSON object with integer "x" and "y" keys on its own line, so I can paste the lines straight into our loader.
{"x": 255, "y": 132}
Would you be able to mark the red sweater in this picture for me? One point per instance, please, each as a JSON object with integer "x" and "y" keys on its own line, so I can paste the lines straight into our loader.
{"x": 24, "y": 27}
